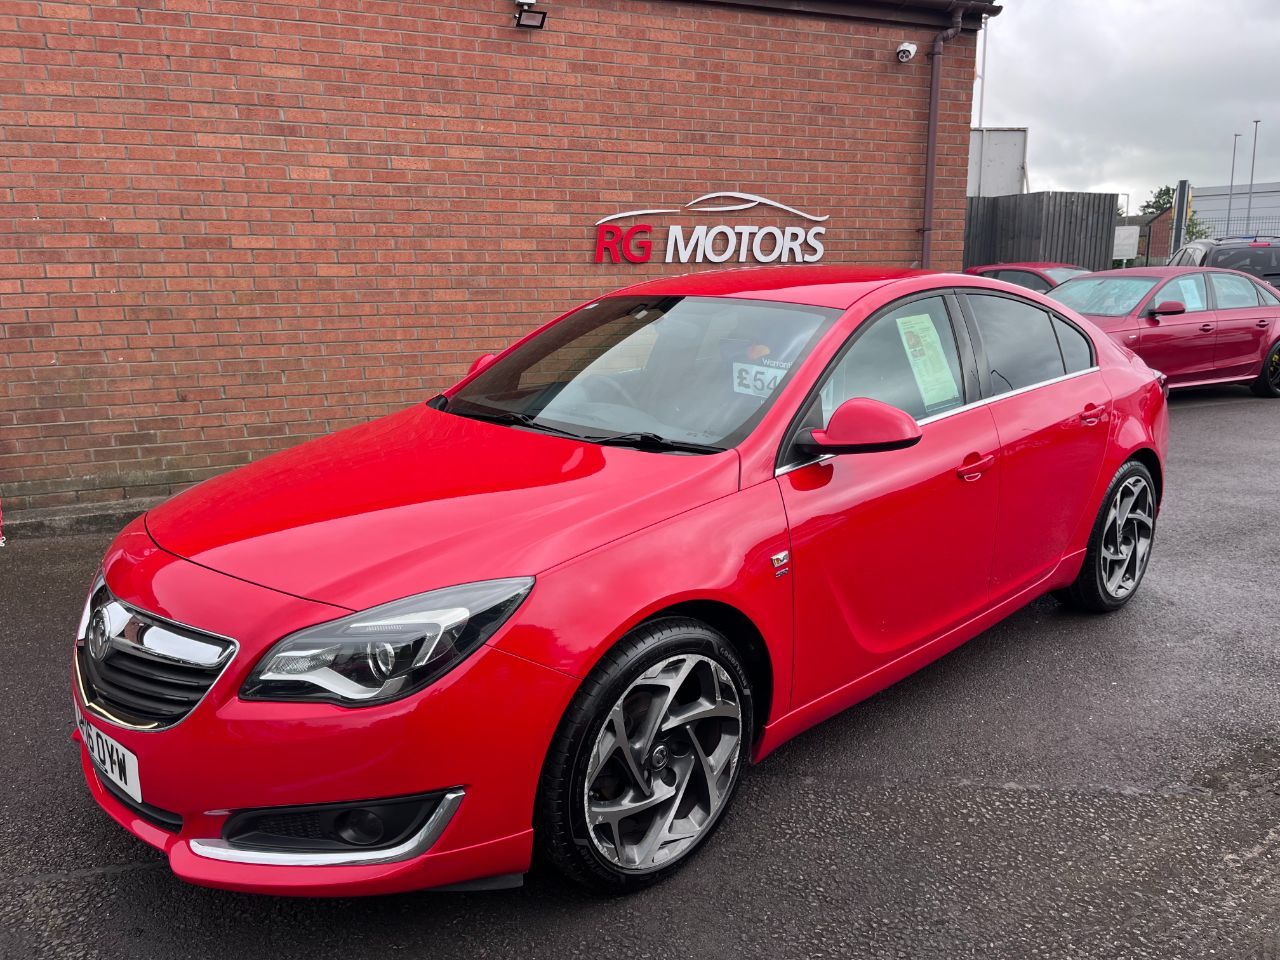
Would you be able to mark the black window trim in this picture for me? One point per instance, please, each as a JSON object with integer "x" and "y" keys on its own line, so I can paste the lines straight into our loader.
{"x": 969, "y": 386}
{"x": 980, "y": 353}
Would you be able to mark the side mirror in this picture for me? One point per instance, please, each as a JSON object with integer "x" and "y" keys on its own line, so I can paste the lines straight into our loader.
{"x": 863, "y": 425}
{"x": 1168, "y": 308}
{"x": 479, "y": 363}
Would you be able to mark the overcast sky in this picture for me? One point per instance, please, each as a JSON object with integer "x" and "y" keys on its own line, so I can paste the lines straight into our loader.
{"x": 1122, "y": 96}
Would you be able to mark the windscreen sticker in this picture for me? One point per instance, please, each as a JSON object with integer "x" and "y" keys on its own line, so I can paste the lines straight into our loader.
{"x": 938, "y": 387}
{"x": 1188, "y": 292}
{"x": 756, "y": 379}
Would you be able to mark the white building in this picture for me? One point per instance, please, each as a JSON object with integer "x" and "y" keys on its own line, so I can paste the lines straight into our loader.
{"x": 1210, "y": 205}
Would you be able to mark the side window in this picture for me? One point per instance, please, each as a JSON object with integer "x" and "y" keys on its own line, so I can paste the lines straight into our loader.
{"x": 1181, "y": 258}
{"x": 1233, "y": 292}
{"x": 1268, "y": 298}
{"x": 1024, "y": 278}
{"x": 907, "y": 358}
{"x": 1077, "y": 350}
{"x": 1020, "y": 344}
{"x": 1189, "y": 289}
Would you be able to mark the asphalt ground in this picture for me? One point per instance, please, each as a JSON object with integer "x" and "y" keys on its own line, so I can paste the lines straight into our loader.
{"x": 1061, "y": 786}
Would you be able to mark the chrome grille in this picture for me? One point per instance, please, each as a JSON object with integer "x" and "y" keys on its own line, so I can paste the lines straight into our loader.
{"x": 138, "y": 670}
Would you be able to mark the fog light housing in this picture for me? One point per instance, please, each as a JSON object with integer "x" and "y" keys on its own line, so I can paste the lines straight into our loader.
{"x": 360, "y": 827}
{"x": 355, "y": 825}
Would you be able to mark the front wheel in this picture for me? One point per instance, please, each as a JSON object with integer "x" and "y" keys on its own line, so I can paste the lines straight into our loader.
{"x": 647, "y": 757}
{"x": 1268, "y": 382}
{"x": 1119, "y": 545}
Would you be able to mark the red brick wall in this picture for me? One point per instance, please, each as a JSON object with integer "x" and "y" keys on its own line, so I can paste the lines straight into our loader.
{"x": 226, "y": 226}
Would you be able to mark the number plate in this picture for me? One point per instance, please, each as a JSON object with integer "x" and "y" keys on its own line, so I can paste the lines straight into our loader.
{"x": 110, "y": 759}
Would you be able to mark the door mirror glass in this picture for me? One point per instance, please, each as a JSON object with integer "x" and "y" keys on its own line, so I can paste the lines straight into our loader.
{"x": 479, "y": 363}
{"x": 862, "y": 425}
{"x": 1168, "y": 308}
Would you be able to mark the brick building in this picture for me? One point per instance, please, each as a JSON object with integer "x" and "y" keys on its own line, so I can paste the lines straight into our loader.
{"x": 229, "y": 225}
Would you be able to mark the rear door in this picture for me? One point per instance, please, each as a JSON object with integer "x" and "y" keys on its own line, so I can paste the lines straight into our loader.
{"x": 1052, "y": 412}
{"x": 1181, "y": 346}
{"x": 1245, "y": 325}
{"x": 890, "y": 550}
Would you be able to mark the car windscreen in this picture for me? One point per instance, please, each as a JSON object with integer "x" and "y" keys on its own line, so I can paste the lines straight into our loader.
{"x": 1063, "y": 274}
{"x": 1262, "y": 262}
{"x": 1103, "y": 296}
{"x": 690, "y": 369}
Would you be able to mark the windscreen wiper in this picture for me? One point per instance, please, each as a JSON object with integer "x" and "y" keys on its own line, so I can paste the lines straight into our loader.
{"x": 651, "y": 441}
{"x": 519, "y": 420}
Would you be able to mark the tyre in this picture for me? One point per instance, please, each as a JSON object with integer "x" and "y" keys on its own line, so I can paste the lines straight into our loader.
{"x": 1119, "y": 544}
{"x": 1268, "y": 382}
{"x": 646, "y": 758}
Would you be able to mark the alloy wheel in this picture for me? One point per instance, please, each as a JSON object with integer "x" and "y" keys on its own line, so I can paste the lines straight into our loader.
{"x": 664, "y": 763}
{"x": 1273, "y": 367}
{"x": 1126, "y": 537}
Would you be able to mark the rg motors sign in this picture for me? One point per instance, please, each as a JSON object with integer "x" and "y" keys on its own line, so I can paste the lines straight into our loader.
{"x": 629, "y": 236}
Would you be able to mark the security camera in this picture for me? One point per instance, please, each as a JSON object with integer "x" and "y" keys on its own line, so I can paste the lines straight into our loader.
{"x": 906, "y": 51}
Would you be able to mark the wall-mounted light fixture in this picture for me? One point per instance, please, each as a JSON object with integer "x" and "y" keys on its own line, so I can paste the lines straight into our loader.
{"x": 528, "y": 16}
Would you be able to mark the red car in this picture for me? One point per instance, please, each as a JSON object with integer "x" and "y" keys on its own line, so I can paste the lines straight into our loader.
{"x": 1040, "y": 277}
{"x": 1196, "y": 325}
{"x": 568, "y": 601}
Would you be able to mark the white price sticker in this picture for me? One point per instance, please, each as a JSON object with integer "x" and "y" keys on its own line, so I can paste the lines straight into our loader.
{"x": 755, "y": 379}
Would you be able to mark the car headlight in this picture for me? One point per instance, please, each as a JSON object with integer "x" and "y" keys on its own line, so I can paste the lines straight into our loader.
{"x": 389, "y": 651}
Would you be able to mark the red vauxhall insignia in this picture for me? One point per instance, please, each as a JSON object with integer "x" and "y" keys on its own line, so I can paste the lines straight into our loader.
{"x": 566, "y": 603}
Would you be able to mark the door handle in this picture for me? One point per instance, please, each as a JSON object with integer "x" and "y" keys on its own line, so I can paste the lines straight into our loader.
{"x": 1206, "y": 328}
{"x": 1263, "y": 323}
{"x": 974, "y": 466}
{"x": 1091, "y": 415}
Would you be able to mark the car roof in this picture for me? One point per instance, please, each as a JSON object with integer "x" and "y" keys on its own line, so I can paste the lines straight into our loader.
{"x": 819, "y": 286}
{"x": 1028, "y": 264}
{"x": 1152, "y": 271}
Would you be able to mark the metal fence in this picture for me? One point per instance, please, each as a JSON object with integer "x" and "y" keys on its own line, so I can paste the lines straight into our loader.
{"x": 1240, "y": 226}
{"x": 1064, "y": 227}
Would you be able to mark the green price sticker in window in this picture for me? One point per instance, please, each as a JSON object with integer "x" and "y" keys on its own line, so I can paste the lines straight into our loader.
{"x": 938, "y": 387}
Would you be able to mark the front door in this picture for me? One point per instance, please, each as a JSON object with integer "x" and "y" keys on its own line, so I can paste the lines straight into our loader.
{"x": 1180, "y": 345}
{"x": 890, "y": 550}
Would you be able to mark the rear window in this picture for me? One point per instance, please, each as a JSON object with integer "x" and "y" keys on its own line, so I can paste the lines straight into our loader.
{"x": 1021, "y": 347}
{"x": 1261, "y": 262}
{"x": 1233, "y": 292}
{"x": 1103, "y": 296}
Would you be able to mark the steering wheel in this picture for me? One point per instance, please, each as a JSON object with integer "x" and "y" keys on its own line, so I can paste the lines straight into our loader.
{"x": 618, "y": 389}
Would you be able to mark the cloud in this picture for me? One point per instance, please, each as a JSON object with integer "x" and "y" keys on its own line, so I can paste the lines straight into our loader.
{"x": 1123, "y": 96}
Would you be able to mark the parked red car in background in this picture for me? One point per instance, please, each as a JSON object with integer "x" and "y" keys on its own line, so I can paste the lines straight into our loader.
{"x": 1196, "y": 325}
{"x": 1039, "y": 277}
{"x": 567, "y": 601}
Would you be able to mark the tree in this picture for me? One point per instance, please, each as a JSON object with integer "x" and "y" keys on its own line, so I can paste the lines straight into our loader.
{"x": 1161, "y": 199}
{"x": 1196, "y": 229}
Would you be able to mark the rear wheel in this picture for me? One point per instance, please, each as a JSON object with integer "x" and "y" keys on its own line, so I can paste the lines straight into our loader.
{"x": 1268, "y": 382}
{"x": 1120, "y": 544}
{"x": 647, "y": 758}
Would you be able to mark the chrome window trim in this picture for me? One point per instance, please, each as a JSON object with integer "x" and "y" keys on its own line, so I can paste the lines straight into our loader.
{"x": 419, "y": 843}
{"x": 1008, "y": 393}
{"x": 102, "y": 713}
{"x": 803, "y": 463}
{"x": 984, "y": 401}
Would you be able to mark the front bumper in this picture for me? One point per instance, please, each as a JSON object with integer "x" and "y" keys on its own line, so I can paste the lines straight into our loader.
{"x": 481, "y": 731}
